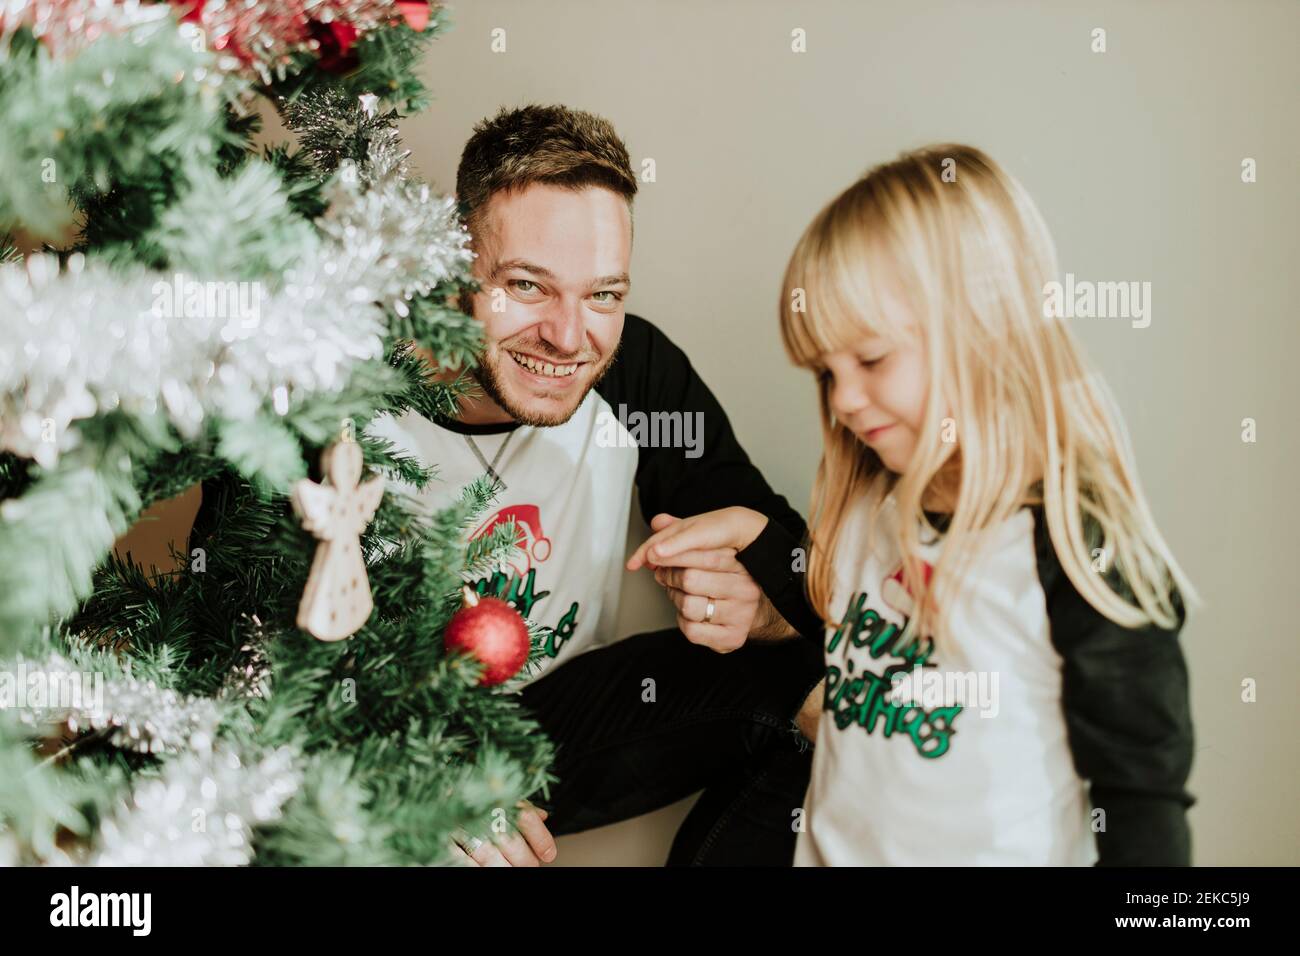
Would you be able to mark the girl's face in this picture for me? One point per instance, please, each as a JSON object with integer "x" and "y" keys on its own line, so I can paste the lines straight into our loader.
{"x": 877, "y": 390}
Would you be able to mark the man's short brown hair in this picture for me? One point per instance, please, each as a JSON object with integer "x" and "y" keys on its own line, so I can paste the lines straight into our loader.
{"x": 540, "y": 144}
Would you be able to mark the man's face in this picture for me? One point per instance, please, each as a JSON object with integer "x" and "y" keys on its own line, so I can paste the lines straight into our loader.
{"x": 553, "y": 266}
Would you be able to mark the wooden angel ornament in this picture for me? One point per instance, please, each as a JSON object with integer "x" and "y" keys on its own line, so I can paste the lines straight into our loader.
{"x": 336, "y": 601}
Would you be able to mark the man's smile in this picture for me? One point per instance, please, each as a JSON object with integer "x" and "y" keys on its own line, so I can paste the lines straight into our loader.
{"x": 543, "y": 368}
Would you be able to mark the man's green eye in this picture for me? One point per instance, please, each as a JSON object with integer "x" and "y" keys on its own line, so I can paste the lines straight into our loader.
{"x": 614, "y": 294}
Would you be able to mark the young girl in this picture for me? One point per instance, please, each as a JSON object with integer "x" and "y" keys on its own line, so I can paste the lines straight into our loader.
{"x": 1004, "y": 683}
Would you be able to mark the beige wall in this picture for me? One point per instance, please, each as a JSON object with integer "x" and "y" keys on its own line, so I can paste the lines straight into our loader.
{"x": 1133, "y": 156}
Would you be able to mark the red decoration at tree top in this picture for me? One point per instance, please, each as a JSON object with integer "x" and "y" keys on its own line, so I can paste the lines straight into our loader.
{"x": 334, "y": 41}
{"x": 415, "y": 13}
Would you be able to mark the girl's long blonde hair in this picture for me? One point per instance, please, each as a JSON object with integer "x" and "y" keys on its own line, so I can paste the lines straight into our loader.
{"x": 1033, "y": 424}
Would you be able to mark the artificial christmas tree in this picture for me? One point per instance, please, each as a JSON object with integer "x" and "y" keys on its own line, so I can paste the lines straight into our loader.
{"x": 222, "y": 317}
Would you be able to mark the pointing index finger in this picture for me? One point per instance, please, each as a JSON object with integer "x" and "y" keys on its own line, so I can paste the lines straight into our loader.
{"x": 641, "y": 557}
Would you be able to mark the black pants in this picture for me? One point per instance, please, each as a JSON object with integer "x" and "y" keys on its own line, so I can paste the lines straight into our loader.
{"x": 654, "y": 718}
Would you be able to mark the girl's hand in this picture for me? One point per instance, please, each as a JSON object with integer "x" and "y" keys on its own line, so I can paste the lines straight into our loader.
{"x": 694, "y": 560}
{"x": 675, "y": 541}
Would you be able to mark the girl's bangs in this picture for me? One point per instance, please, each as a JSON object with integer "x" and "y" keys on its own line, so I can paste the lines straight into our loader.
{"x": 837, "y": 264}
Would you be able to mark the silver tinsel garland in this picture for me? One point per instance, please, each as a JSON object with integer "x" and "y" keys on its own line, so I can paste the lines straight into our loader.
{"x": 90, "y": 340}
{"x": 200, "y": 807}
{"x": 201, "y": 810}
{"x": 411, "y": 236}
{"x": 134, "y": 715}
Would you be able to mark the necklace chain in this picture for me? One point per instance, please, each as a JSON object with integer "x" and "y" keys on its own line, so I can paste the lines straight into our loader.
{"x": 491, "y": 468}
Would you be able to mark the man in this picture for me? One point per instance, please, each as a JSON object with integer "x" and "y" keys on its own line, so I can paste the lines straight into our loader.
{"x": 581, "y": 404}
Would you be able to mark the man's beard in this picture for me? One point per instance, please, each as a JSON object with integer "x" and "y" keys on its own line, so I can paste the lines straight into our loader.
{"x": 485, "y": 373}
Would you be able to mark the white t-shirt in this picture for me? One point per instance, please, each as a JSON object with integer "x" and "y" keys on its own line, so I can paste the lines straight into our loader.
{"x": 569, "y": 498}
{"x": 970, "y": 763}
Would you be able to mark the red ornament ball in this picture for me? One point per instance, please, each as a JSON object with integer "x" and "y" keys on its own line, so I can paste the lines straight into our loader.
{"x": 494, "y": 633}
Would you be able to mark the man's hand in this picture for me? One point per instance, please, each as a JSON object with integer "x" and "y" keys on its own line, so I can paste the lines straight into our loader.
{"x": 530, "y": 845}
{"x": 733, "y": 528}
{"x": 694, "y": 560}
